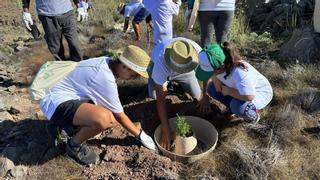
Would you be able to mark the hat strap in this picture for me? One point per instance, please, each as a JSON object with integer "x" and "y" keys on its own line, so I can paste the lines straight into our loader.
{"x": 133, "y": 65}
{"x": 180, "y": 65}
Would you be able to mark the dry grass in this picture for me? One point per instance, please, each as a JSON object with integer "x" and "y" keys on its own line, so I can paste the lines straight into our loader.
{"x": 307, "y": 100}
{"x": 256, "y": 163}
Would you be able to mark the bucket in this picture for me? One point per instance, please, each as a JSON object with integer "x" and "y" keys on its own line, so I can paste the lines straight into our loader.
{"x": 205, "y": 132}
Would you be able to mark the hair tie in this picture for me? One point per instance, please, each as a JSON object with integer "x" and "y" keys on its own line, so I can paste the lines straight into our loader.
{"x": 221, "y": 45}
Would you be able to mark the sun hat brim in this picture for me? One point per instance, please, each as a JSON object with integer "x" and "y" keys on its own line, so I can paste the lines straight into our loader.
{"x": 177, "y": 69}
{"x": 136, "y": 68}
{"x": 203, "y": 75}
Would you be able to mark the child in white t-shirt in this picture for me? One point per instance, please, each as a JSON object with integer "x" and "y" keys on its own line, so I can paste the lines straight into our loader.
{"x": 236, "y": 84}
{"x": 86, "y": 102}
{"x": 139, "y": 13}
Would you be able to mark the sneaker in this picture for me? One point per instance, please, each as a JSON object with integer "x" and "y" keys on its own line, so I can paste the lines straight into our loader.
{"x": 56, "y": 137}
{"x": 82, "y": 154}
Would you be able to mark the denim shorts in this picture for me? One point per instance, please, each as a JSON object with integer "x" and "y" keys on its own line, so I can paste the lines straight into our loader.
{"x": 143, "y": 14}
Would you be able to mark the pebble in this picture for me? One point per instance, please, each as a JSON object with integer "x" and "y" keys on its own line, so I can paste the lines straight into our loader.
{"x": 5, "y": 166}
{"x": 18, "y": 171}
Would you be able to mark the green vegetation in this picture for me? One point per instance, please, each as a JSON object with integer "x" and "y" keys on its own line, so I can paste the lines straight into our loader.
{"x": 183, "y": 128}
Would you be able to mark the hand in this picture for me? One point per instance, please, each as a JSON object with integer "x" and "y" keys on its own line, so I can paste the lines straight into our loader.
{"x": 226, "y": 91}
{"x": 204, "y": 104}
{"x": 82, "y": 14}
{"x": 165, "y": 140}
{"x": 147, "y": 141}
{"x": 27, "y": 20}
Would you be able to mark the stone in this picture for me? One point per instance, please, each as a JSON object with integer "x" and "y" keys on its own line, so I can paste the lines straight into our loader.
{"x": 12, "y": 88}
{"x": 19, "y": 48}
{"x": 5, "y": 166}
{"x": 20, "y": 43}
{"x": 14, "y": 111}
{"x": 18, "y": 171}
{"x": 4, "y": 115}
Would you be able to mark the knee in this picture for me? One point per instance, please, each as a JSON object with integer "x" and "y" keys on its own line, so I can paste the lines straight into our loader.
{"x": 105, "y": 120}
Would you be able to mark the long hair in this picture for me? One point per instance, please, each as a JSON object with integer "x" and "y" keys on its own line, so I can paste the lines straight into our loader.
{"x": 233, "y": 59}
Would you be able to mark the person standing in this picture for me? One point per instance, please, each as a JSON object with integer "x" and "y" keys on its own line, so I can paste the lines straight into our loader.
{"x": 215, "y": 17}
{"x": 162, "y": 12}
{"x": 57, "y": 19}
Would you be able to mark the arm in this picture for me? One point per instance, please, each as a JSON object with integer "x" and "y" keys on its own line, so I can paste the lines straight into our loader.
{"x": 126, "y": 24}
{"x": 204, "y": 104}
{"x": 162, "y": 113}
{"x": 227, "y": 91}
{"x": 145, "y": 139}
{"x": 124, "y": 120}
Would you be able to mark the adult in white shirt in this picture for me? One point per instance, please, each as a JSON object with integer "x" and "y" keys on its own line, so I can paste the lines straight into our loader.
{"x": 236, "y": 84}
{"x": 162, "y": 12}
{"x": 67, "y": 105}
{"x": 173, "y": 60}
{"x": 215, "y": 17}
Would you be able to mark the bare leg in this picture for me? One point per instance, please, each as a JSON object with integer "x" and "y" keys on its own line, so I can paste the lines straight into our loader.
{"x": 136, "y": 28}
{"x": 92, "y": 120}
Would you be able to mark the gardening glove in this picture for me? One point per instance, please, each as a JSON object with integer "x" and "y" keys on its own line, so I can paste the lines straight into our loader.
{"x": 147, "y": 141}
{"x": 27, "y": 20}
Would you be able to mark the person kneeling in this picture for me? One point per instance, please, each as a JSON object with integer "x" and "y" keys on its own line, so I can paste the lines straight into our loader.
{"x": 67, "y": 104}
{"x": 235, "y": 83}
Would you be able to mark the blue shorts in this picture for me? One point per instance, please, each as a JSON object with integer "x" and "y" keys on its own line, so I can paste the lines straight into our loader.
{"x": 143, "y": 14}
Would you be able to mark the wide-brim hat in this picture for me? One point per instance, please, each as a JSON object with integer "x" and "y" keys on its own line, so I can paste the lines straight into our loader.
{"x": 136, "y": 59}
{"x": 181, "y": 56}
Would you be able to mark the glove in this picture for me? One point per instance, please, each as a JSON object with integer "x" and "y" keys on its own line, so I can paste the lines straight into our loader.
{"x": 27, "y": 20}
{"x": 147, "y": 141}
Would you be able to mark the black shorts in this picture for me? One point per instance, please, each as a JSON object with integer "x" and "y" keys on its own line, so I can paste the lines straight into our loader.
{"x": 63, "y": 115}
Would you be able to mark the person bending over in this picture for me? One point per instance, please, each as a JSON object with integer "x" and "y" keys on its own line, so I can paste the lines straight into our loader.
{"x": 235, "y": 83}
{"x": 139, "y": 12}
{"x": 86, "y": 101}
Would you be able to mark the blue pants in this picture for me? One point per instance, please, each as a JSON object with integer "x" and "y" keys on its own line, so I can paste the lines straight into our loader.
{"x": 243, "y": 109}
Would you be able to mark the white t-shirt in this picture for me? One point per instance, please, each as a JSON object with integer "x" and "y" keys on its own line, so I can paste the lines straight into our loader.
{"x": 90, "y": 80}
{"x": 217, "y": 5}
{"x": 249, "y": 82}
{"x": 161, "y": 73}
{"x": 132, "y": 8}
{"x": 162, "y": 12}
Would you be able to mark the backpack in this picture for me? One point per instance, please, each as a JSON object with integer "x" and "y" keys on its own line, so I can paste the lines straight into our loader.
{"x": 49, "y": 75}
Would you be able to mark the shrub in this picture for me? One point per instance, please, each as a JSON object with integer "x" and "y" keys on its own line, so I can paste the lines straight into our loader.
{"x": 183, "y": 128}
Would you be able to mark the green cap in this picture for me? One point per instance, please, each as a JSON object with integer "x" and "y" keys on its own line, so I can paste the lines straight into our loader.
{"x": 210, "y": 59}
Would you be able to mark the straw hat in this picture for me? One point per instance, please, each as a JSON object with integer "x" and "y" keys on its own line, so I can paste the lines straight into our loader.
{"x": 136, "y": 59}
{"x": 181, "y": 56}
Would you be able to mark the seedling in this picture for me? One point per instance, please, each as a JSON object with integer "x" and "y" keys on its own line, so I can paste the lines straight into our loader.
{"x": 183, "y": 129}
